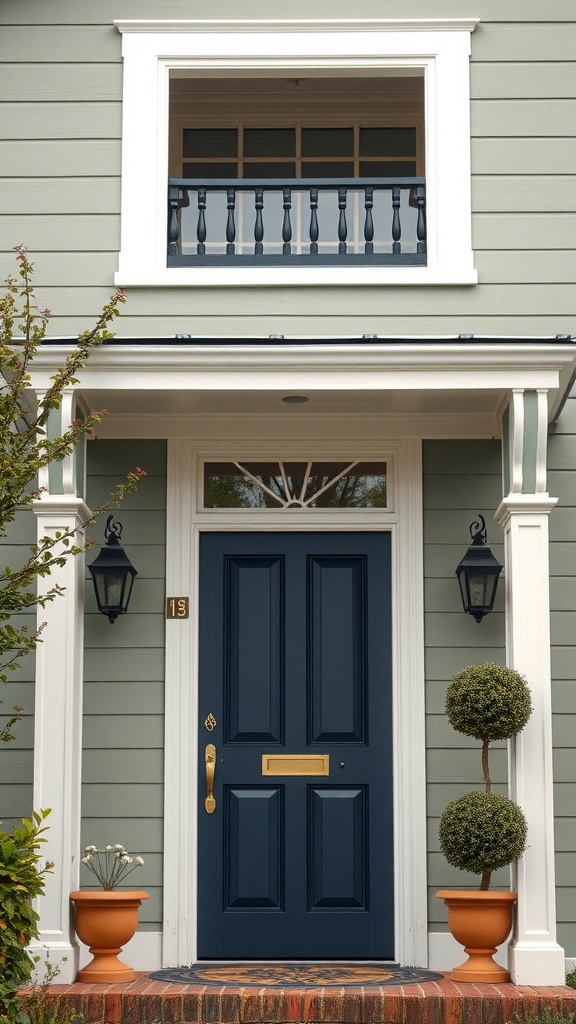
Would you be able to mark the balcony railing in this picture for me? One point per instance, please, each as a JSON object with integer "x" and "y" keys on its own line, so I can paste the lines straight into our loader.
{"x": 352, "y": 221}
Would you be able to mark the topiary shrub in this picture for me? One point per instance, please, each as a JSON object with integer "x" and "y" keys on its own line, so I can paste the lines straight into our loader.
{"x": 488, "y": 702}
{"x": 482, "y": 832}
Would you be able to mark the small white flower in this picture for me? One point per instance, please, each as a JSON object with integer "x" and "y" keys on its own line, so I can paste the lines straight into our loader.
{"x": 110, "y": 865}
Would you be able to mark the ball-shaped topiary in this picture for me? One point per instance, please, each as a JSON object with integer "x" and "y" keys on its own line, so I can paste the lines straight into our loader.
{"x": 488, "y": 701}
{"x": 481, "y": 832}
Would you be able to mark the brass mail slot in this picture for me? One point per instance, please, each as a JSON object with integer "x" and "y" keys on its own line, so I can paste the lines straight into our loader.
{"x": 295, "y": 764}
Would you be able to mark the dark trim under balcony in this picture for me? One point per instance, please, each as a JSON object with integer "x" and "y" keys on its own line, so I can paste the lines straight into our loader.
{"x": 305, "y": 222}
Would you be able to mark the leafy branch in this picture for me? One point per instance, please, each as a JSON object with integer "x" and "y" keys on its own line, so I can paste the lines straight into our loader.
{"x": 27, "y": 448}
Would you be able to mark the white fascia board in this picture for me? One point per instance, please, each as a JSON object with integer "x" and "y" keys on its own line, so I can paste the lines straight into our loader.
{"x": 324, "y": 367}
{"x": 152, "y": 50}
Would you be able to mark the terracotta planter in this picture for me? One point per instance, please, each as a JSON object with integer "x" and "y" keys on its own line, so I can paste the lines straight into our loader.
{"x": 480, "y": 921}
{"x": 106, "y": 921}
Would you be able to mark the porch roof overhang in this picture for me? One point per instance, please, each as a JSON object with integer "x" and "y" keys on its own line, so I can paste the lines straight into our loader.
{"x": 428, "y": 382}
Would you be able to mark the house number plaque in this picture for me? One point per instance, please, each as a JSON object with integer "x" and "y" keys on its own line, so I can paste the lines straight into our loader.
{"x": 177, "y": 607}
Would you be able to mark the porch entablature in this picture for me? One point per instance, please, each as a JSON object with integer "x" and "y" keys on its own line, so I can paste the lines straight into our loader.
{"x": 427, "y": 387}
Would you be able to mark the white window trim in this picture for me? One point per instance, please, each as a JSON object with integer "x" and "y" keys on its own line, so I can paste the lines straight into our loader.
{"x": 152, "y": 49}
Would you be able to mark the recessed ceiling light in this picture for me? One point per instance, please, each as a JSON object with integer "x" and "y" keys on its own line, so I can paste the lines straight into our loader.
{"x": 294, "y": 399}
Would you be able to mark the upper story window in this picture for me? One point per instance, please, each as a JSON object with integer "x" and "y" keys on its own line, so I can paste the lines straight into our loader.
{"x": 319, "y": 171}
{"x": 296, "y": 152}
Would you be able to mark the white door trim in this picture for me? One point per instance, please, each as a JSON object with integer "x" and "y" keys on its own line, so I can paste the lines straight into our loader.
{"x": 184, "y": 525}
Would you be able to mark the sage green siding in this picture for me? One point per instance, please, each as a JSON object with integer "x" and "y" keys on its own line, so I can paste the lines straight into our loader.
{"x": 461, "y": 479}
{"x": 16, "y": 758}
{"x": 122, "y": 772}
{"x": 60, "y": 147}
{"x": 562, "y": 484}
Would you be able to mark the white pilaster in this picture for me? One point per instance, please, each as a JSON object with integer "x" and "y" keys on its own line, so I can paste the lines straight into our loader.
{"x": 535, "y": 958}
{"x": 58, "y": 731}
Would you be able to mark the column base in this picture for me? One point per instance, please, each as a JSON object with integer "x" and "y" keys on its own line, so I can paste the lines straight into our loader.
{"x": 533, "y": 963}
{"x": 63, "y": 956}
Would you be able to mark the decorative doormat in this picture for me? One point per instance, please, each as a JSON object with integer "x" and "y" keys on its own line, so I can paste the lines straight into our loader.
{"x": 295, "y": 975}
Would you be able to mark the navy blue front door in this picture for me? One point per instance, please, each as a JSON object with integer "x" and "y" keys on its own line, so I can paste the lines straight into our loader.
{"x": 296, "y": 844}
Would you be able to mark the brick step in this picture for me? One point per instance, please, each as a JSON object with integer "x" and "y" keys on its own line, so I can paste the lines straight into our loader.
{"x": 435, "y": 1002}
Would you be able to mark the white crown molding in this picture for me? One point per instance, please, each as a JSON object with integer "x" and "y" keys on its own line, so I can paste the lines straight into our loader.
{"x": 527, "y": 504}
{"x": 414, "y": 355}
{"x": 299, "y": 25}
{"x": 54, "y": 506}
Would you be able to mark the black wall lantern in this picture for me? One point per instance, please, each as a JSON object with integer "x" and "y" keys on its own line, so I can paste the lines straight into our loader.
{"x": 113, "y": 574}
{"x": 478, "y": 574}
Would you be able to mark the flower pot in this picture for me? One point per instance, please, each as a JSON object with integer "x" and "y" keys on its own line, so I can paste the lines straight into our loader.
{"x": 480, "y": 921}
{"x": 106, "y": 921}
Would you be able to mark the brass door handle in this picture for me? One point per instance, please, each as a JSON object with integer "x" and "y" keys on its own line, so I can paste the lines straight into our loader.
{"x": 210, "y": 759}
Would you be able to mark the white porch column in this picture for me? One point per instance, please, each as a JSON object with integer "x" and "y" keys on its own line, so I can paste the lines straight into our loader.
{"x": 535, "y": 958}
{"x": 58, "y": 711}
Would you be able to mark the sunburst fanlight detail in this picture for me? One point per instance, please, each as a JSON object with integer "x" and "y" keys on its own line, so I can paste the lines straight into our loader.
{"x": 285, "y": 484}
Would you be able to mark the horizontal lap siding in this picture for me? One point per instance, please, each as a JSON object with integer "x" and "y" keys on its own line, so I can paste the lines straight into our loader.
{"x": 17, "y": 757}
{"x": 562, "y": 485}
{"x": 123, "y": 740}
{"x": 60, "y": 148}
{"x": 66, "y": 12}
{"x": 461, "y": 479}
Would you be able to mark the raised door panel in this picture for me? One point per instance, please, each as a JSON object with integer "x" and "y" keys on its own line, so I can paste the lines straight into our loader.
{"x": 337, "y": 638}
{"x": 254, "y": 648}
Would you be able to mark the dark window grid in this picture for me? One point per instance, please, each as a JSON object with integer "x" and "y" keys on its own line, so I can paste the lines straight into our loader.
{"x": 297, "y": 158}
{"x": 297, "y": 134}
{"x": 301, "y": 167}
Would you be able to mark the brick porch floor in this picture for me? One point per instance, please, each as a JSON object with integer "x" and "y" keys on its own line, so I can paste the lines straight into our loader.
{"x": 435, "y": 1002}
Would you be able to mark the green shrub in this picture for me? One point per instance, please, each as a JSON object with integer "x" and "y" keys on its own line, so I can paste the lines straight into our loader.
{"x": 21, "y": 879}
{"x": 488, "y": 702}
{"x": 37, "y": 1005}
{"x": 481, "y": 832}
{"x": 571, "y": 979}
{"x": 544, "y": 1017}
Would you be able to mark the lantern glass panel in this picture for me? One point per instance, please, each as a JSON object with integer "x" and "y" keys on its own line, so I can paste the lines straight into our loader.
{"x": 478, "y": 587}
{"x": 114, "y": 589}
